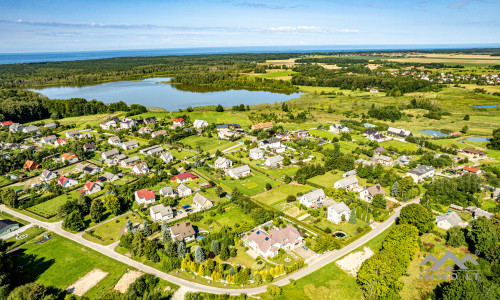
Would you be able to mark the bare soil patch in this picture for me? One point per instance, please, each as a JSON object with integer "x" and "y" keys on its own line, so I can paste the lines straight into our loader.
{"x": 126, "y": 280}
{"x": 85, "y": 283}
{"x": 352, "y": 262}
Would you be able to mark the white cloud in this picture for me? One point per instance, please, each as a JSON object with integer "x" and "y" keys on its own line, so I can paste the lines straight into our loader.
{"x": 311, "y": 29}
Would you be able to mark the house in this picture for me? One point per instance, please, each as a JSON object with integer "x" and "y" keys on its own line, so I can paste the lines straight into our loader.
{"x": 7, "y": 226}
{"x": 477, "y": 212}
{"x": 145, "y": 196}
{"x": 301, "y": 133}
{"x": 160, "y": 213}
{"x": 86, "y": 169}
{"x": 274, "y": 161}
{"x": 225, "y": 134}
{"x": 70, "y": 157}
{"x": 350, "y": 173}
{"x": 349, "y": 183}
{"x": 369, "y": 132}
{"x": 73, "y": 134}
{"x": 60, "y": 142}
{"x": 337, "y": 211}
{"x": 456, "y": 207}
{"x": 256, "y": 153}
{"x": 233, "y": 126}
{"x": 51, "y": 125}
{"x": 338, "y": 128}
{"x": 223, "y": 163}
{"x": 420, "y": 173}
{"x": 270, "y": 143}
{"x": 379, "y": 150}
{"x": 399, "y": 132}
{"x": 31, "y": 129}
{"x": 140, "y": 168}
{"x": 368, "y": 193}
{"x": 496, "y": 194}
{"x": 108, "y": 125}
{"x": 183, "y": 231}
{"x": 200, "y": 124}
{"x": 312, "y": 198}
{"x": 403, "y": 160}
{"x": 89, "y": 147}
{"x": 263, "y": 126}
{"x": 153, "y": 150}
{"x": 239, "y": 172}
{"x": 150, "y": 120}
{"x": 167, "y": 157}
{"x": 179, "y": 122}
{"x": 15, "y": 127}
{"x": 47, "y": 176}
{"x": 183, "y": 190}
{"x": 85, "y": 135}
{"x": 127, "y": 123}
{"x": 66, "y": 182}
{"x": 90, "y": 188}
{"x": 383, "y": 160}
{"x": 144, "y": 130}
{"x": 30, "y": 165}
{"x": 108, "y": 177}
{"x": 471, "y": 170}
{"x": 373, "y": 90}
{"x": 48, "y": 139}
{"x": 183, "y": 177}
{"x": 377, "y": 138}
{"x": 114, "y": 140}
{"x": 130, "y": 145}
{"x": 268, "y": 245}
{"x": 448, "y": 220}
{"x": 6, "y": 123}
{"x": 167, "y": 192}
{"x": 474, "y": 152}
{"x": 158, "y": 133}
{"x": 110, "y": 154}
{"x": 201, "y": 202}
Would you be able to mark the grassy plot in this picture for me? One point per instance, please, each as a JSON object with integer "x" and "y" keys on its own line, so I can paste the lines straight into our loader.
{"x": 251, "y": 185}
{"x": 204, "y": 143}
{"x": 110, "y": 232}
{"x": 60, "y": 262}
{"x": 31, "y": 233}
{"x": 328, "y": 179}
{"x": 50, "y": 207}
{"x": 280, "y": 193}
{"x": 232, "y": 217}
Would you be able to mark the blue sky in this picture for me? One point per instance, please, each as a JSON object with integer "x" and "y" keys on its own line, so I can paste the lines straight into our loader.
{"x": 44, "y": 25}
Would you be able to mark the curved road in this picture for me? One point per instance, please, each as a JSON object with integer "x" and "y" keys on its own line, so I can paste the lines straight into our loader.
{"x": 314, "y": 265}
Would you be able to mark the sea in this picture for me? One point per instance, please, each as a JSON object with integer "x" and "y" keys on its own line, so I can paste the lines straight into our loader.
{"x": 20, "y": 58}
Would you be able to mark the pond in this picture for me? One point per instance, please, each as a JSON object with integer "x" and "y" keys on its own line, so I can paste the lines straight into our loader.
{"x": 487, "y": 105}
{"x": 478, "y": 139}
{"x": 433, "y": 132}
{"x": 203, "y": 234}
{"x": 157, "y": 92}
{"x": 340, "y": 234}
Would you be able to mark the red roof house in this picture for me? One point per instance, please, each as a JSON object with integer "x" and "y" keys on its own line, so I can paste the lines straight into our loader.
{"x": 472, "y": 170}
{"x": 6, "y": 123}
{"x": 186, "y": 176}
{"x": 145, "y": 196}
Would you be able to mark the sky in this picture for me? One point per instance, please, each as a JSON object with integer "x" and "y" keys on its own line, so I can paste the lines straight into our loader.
{"x": 74, "y": 25}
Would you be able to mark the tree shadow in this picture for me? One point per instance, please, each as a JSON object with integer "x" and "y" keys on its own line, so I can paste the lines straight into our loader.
{"x": 30, "y": 266}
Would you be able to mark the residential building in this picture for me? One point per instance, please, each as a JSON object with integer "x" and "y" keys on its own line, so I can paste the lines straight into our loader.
{"x": 239, "y": 172}
{"x": 108, "y": 125}
{"x": 233, "y": 126}
{"x": 200, "y": 124}
{"x": 167, "y": 157}
{"x": 15, "y": 127}
{"x": 263, "y": 126}
{"x": 161, "y": 213}
{"x": 312, "y": 198}
{"x": 368, "y": 193}
{"x": 108, "y": 177}
{"x": 60, "y": 142}
{"x": 48, "y": 139}
{"x": 399, "y": 132}
{"x": 256, "y": 153}
{"x": 127, "y": 123}
{"x": 158, "y": 133}
{"x": 7, "y": 226}
{"x": 183, "y": 177}
{"x": 73, "y": 134}
{"x": 383, "y": 160}
{"x": 31, "y": 129}
{"x": 472, "y": 170}
{"x": 89, "y": 147}
{"x": 183, "y": 190}
{"x": 110, "y": 154}
{"x": 201, "y": 202}
{"x": 496, "y": 194}
{"x": 379, "y": 150}
{"x": 421, "y": 172}
{"x": 183, "y": 231}
{"x": 144, "y": 130}
{"x": 167, "y": 192}
{"x": 448, "y": 220}
{"x": 90, "y": 188}
{"x": 336, "y": 211}
{"x": 130, "y": 145}
{"x": 66, "y": 182}
{"x": 268, "y": 245}
{"x": 6, "y": 123}
{"x": 338, "y": 128}
{"x": 301, "y": 133}
{"x": 179, "y": 122}
{"x": 30, "y": 165}
{"x": 350, "y": 173}
{"x": 403, "y": 160}
{"x": 223, "y": 163}
{"x": 474, "y": 152}
{"x": 145, "y": 197}
{"x": 274, "y": 161}
{"x": 153, "y": 150}
{"x": 349, "y": 183}
{"x": 140, "y": 168}
{"x": 86, "y": 169}
{"x": 47, "y": 176}
{"x": 150, "y": 120}
{"x": 225, "y": 134}
{"x": 270, "y": 143}
{"x": 51, "y": 125}
{"x": 114, "y": 140}
{"x": 70, "y": 157}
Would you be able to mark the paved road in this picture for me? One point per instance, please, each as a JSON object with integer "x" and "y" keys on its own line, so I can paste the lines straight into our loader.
{"x": 314, "y": 265}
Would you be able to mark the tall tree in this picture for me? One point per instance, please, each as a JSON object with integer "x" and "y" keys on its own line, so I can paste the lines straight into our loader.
{"x": 165, "y": 232}
{"x": 199, "y": 255}
{"x": 181, "y": 249}
{"x": 96, "y": 211}
{"x": 215, "y": 247}
{"x": 417, "y": 215}
{"x": 482, "y": 234}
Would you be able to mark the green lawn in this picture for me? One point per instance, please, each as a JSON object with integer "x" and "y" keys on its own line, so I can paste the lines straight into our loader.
{"x": 60, "y": 262}
{"x": 400, "y": 145}
{"x": 280, "y": 193}
{"x": 232, "y": 215}
{"x": 206, "y": 144}
{"x": 50, "y": 207}
{"x": 276, "y": 74}
{"x": 110, "y": 232}
{"x": 32, "y": 232}
{"x": 327, "y": 180}
{"x": 251, "y": 185}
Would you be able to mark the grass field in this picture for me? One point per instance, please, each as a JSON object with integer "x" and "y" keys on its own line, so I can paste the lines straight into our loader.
{"x": 232, "y": 215}
{"x": 60, "y": 262}
{"x": 280, "y": 193}
{"x": 31, "y": 232}
{"x": 110, "y": 232}
{"x": 400, "y": 145}
{"x": 251, "y": 185}
{"x": 82, "y": 121}
{"x": 50, "y": 207}
{"x": 207, "y": 144}
{"x": 327, "y": 180}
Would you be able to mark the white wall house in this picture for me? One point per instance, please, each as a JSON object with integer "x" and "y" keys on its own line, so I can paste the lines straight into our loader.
{"x": 256, "y": 153}
{"x": 312, "y": 198}
{"x": 336, "y": 211}
{"x": 160, "y": 213}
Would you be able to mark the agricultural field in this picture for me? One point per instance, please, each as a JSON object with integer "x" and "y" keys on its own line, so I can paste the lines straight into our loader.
{"x": 50, "y": 207}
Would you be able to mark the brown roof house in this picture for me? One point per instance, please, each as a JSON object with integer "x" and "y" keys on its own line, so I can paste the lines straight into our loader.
{"x": 368, "y": 193}
{"x": 30, "y": 165}
{"x": 268, "y": 245}
{"x": 201, "y": 202}
{"x": 183, "y": 231}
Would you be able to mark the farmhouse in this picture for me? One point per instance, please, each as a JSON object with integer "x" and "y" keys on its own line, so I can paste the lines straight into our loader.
{"x": 145, "y": 196}
{"x": 336, "y": 211}
{"x": 312, "y": 198}
{"x": 420, "y": 173}
{"x": 201, "y": 202}
{"x": 471, "y": 170}
{"x": 183, "y": 231}
{"x": 474, "y": 152}
{"x": 160, "y": 212}
{"x": 368, "y": 193}
{"x": 398, "y": 132}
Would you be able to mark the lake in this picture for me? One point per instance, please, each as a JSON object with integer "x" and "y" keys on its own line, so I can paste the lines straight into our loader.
{"x": 478, "y": 139}
{"x": 433, "y": 132}
{"x": 487, "y": 105}
{"x": 150, "y": 92}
